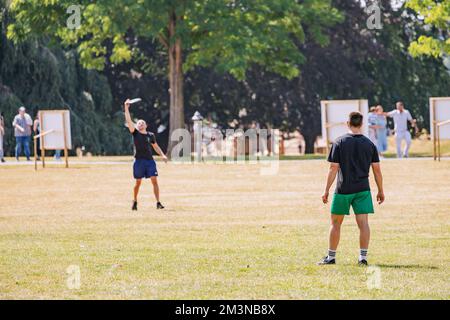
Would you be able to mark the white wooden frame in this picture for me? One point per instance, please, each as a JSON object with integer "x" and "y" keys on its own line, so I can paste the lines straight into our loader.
{"x": 362, "y": 106}
{"x": 65, "y": 116}
{"x": 437, "y": 122}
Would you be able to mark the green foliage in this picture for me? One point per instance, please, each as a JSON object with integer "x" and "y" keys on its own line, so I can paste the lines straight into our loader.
{"x": 436, "y": 15}
{"x": 38, "y": 77}
{"x": 224, "y": 44}
{"x": 357, "y": 63}
{"x": 231, "y": 35}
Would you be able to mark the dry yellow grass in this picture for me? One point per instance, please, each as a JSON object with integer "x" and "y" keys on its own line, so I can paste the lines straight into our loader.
{"x": 227, "y": 232}
{"x": 420, "y": 147}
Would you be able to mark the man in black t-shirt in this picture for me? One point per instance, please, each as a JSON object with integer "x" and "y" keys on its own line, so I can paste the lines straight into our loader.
{"x": 351, "y": 157}
{"x": 144, "y": 165}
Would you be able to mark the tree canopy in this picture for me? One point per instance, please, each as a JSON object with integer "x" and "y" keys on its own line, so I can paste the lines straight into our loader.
{"x": 436, "y": 16}
{"x": 229, "y": 35}
{"x": 342, "y": 59}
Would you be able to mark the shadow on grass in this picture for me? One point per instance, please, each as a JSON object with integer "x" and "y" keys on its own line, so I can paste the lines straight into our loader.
{"x": 397, "y": 266}
{"x": 406, "y": 266}
{"x": 56, "y": 167}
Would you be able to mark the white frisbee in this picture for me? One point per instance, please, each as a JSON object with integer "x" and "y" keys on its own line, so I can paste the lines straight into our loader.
{"x": 135, "y": 100}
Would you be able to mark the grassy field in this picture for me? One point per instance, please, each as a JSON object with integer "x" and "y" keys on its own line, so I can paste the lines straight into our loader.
{"x": 419, "y": 148}
{"x": 227, "y": 232}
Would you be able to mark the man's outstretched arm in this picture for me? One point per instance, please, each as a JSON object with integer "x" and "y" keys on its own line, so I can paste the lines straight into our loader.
{"x": 389, "y": 114}
{"x": 159, "y": 151}
{"x": 334, "y": 168}
{"x": 130, "y": 122}
{"x": 379, "y": 180}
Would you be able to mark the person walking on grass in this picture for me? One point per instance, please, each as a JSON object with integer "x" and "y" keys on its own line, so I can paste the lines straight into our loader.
{"x": 351, "y": 157}
{"x": 22, "y": 131}
{"x": 372, "y": 118}
{"x": 401, "y": 118}
{"x": 144, "y": 166}
{"x": 382, "y": 143}
{"x": 2, "y": 134}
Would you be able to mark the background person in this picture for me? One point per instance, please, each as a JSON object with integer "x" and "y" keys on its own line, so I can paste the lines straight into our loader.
{"x": 382, "y": 144}
{"x": 57, "y": 155}
{"x": 351, "y": 157}
{"x": 22, "y": 131}
{"x": 37, "y": 131}
{"x": 2, "y": 134}
{"x": 372, "y": 118}
{"x": 401, "y": 118}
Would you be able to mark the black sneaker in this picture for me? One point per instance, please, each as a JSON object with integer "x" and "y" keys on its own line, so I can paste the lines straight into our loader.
{"x": 326, "y": 261}
{"x": 159, "y": 206}
{"x": 363, "y": 263}
{"x": 3, "y": 160}
{"x": 134, "y": 207}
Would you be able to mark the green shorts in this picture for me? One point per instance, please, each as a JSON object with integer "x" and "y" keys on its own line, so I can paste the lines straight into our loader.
{"x": 361, "y": 203}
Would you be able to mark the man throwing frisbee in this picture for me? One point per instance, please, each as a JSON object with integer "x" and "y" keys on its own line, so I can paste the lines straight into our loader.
{"x": 144, "y": 165}
{"x": 351, "y": 157}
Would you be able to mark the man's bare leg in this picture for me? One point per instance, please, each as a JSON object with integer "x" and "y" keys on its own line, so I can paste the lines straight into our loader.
{"x": 136, "y": 193}
{"x": 155, "y": 188}
{"x": 335, "y": 231}
{"x": 334, "y": 237}
{"x": 156, "y": 192}
{"x": 364, "y": 235}
{"x": 136, "y": 188}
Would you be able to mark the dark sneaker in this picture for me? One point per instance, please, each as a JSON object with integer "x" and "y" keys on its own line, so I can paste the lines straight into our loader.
{"x": 326, "y": 261}
{"x": 134, "y": 207}
{"x": 159, "y": 206}
{"x": 3, "y": 160}
{"x": 362, "y": 263}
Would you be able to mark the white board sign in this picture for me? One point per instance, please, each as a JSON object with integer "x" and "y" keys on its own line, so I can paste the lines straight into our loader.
{"x": 335, "y": 116}
{"x": 58, "y": 124}
{"x": 440, "y": 111}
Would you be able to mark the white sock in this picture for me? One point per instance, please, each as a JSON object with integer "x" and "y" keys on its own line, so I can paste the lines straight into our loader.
{"x": 331, "y": 254}
{"x": 363, "y": 254}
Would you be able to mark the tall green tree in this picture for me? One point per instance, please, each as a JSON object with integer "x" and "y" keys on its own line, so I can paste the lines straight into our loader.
{"x": 230, "y": 35}
{"x": 436, "y": 15}
{"x": 39, "y": 77}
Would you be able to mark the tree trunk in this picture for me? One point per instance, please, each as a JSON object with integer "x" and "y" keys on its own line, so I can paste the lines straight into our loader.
{"x": 176, "y": 79}
{"x": 310, "y": 138}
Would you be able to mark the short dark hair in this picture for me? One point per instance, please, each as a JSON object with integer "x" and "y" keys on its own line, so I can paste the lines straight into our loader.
{"x": 356, "y": 119}
{"x": 401, "y": 103}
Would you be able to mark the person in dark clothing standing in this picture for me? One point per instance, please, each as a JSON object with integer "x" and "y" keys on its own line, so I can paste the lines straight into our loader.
{"x": 351, "y": 157}
{"x": 2, "y": 134}
{"x": 37, "y": 131}
{"x": 144, "y": 166}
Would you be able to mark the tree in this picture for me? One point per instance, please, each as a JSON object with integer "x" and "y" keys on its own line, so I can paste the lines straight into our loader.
{"x": 230, "y": 35}
{"x": 33, "y": 75}
{"x": 436, "y": 15}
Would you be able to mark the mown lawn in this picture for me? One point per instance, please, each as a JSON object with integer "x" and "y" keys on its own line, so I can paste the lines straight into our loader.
{"x": 227, "y": 232}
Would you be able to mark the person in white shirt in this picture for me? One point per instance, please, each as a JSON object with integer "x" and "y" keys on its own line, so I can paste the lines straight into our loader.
{"x": 22, "y": 131}
{"x": 401, "y": 117}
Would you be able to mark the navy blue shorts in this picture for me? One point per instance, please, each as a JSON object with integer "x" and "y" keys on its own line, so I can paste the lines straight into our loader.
{"x": 143, "y": 168}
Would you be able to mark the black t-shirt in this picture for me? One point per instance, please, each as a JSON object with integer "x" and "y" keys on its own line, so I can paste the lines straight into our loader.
{"x": 355, "y": 153}
{"x": 142, "y": 145}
